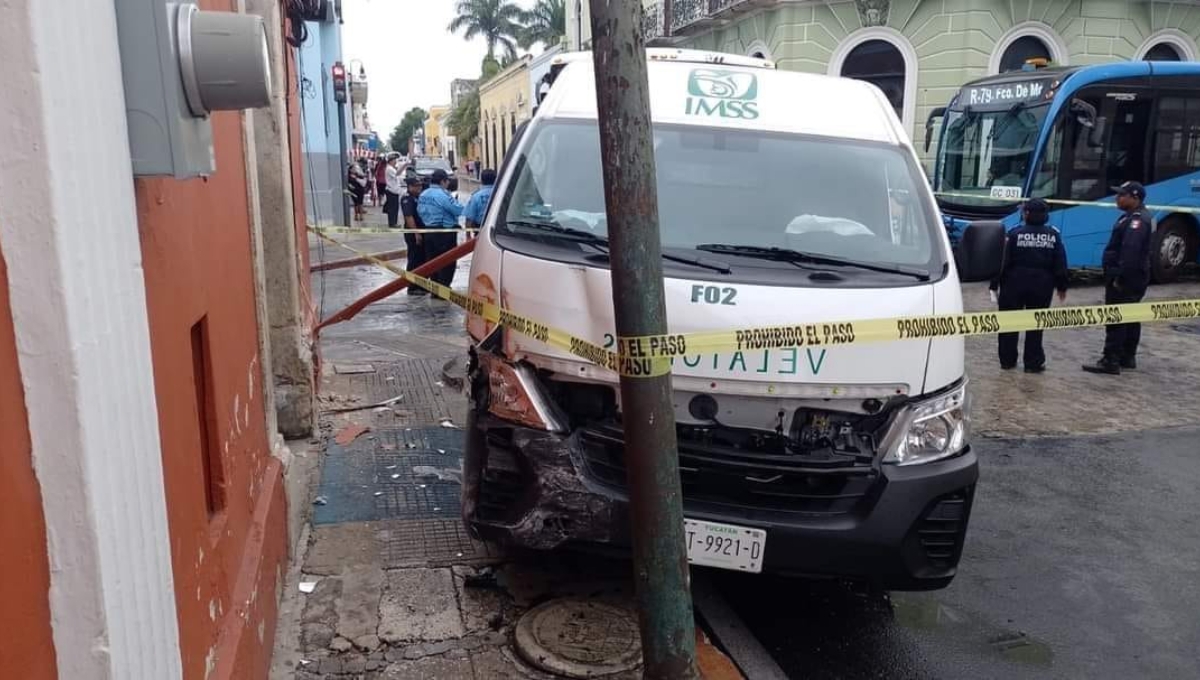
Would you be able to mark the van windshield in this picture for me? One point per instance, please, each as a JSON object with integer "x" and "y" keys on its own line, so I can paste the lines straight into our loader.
{"x": 834, "y": 198}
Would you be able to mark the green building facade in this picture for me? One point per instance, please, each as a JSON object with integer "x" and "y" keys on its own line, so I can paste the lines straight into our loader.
{"x": 921, "y": 51}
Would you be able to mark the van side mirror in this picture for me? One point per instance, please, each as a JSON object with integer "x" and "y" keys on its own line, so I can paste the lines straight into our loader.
{"x": 980, "y": 251}
{"x": 939, "y": 112}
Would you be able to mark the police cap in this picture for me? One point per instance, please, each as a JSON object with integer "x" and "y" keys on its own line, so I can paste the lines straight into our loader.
{"x": 1134, "y": 189}
{"x": 1036, "y": 206}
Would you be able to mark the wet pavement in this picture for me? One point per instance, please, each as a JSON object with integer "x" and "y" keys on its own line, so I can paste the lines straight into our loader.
{"x": 1081, "y": 560}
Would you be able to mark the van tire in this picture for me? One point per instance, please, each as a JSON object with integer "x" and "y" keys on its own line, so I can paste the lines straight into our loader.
{"x": 980, "y": 251}
{"x": 1172, "y": 248}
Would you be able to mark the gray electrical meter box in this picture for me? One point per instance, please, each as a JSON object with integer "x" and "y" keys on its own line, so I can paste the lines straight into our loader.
{"x": 179, "y": 64}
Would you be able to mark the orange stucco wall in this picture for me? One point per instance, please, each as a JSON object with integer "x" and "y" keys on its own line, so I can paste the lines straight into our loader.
{"x": 196, "y": 247}
{"x": 26, "y": 644}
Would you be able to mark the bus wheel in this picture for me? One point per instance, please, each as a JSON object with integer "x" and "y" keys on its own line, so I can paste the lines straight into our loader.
{"x": 1172, "y": 248}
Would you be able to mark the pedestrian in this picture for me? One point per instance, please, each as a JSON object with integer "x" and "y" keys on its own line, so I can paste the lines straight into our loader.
{"x": 1034, "y": 266}
{"x": 356, "y": 183}
{"x": 477, "y": 207}
{"x": 1126, "y": 274}
{"x": 391, "y": 205}
{"x": 412, "y": 220}
{"x": 439, "y": 210}
{"x": 381, "y": 180}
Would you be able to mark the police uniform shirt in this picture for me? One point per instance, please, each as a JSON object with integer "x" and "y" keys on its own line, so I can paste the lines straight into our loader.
{"x": 408, "y": 208}
{"x": 438, "y": 208}
{"x": 1127, "y": 255}
{"x": 1037, "y": 249}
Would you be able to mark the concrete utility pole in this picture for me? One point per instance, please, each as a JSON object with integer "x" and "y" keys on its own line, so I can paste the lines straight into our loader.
{"x": 651, "y": 451}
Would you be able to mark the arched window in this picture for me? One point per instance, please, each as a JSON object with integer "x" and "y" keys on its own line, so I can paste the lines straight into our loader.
{"x": 884, "y": 57}
{"x": 1021, "y": 50}
{"x": 878, "y": 62}
{"x": 1163, "y": 52}
{"x": 759, "y": 50}
{"x": 1168, "y": 44}
{"x": 1025, "y": 41}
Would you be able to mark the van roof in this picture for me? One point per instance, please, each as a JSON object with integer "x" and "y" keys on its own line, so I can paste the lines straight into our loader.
{"x": 679, "y": 55}
{"x": 757, "y": 97}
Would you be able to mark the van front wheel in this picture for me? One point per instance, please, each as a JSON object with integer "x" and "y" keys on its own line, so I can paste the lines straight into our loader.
{"x": 1172, "y": 248}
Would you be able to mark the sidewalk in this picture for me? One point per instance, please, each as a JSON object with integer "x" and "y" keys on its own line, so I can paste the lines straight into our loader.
{"x": 391, "y": 587}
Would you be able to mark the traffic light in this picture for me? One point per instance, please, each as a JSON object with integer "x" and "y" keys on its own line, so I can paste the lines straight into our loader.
{"x": 339, "y": 83}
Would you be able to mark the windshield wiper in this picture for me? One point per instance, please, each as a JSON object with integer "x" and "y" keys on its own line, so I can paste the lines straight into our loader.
{"x": 789, "y": 255}
{"x": 601, "y": 243}
{"x": 1002, "y": 126}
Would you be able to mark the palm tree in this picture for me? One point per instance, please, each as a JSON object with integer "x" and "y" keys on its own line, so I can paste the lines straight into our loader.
{"x": 498, "y": 21}
{"x": 546, "y": 23}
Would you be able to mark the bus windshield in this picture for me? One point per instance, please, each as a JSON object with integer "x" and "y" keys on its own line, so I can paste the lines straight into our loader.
{"x": 986, "y": 154}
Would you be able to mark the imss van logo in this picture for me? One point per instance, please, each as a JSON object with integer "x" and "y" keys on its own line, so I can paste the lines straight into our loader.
{"x": 718, "y": 92}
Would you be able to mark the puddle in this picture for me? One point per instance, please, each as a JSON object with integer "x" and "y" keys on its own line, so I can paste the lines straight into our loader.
{"x": 926, "y": 614}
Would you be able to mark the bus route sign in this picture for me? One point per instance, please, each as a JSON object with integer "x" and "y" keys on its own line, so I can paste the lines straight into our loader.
{"x": 988, "y": 94}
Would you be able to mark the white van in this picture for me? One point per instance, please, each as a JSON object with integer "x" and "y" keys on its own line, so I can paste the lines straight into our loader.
{"x": 784, "y": 198}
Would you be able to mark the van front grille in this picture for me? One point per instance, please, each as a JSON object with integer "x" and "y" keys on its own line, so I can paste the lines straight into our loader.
{"x": 744, "y": 479}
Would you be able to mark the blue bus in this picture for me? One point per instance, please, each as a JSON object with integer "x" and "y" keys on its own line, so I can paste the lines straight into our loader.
{"x": 1068, "y": 135}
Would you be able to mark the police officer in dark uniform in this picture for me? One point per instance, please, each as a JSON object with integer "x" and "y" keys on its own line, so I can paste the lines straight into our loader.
{"x": 1035, "y": 265}
{"x": 412, "y": 220}
{"x": 1126, "y": 275}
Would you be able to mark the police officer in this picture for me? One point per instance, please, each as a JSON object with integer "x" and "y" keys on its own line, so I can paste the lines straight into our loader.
{"x": 439, "y": 210}
{"x": 1035, "y": 265}
{"x": 1126, "y": 275}
{"x": 415, "y": 241}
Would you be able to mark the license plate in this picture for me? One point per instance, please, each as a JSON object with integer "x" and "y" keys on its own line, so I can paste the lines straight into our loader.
{"x": 712, "y": 544}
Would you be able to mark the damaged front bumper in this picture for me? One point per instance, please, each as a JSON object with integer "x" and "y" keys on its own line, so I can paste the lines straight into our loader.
{"x": 901, "y": 527}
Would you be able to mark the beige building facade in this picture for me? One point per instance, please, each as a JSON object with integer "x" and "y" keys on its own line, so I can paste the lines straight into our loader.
{"x": 505, "y": 101}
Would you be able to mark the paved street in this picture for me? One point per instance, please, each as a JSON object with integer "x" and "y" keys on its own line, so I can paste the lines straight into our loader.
{"x": 1079, "y": 560}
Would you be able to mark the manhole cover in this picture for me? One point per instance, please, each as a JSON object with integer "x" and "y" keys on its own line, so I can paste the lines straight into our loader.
{"x": 580, "y": 638}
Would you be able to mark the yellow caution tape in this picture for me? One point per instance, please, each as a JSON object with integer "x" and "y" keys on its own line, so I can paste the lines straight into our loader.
{"x": 555, "y": 337}
{"x": 651, "y": 355}
{"x": 842, "y": 333}
{"x": 390, "y": 230}
{"x": 1063, "y": 201}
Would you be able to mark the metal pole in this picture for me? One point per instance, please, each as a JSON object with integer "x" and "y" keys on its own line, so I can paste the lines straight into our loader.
{"x": 345, "y": 164}
{"x": 651, "y": 452}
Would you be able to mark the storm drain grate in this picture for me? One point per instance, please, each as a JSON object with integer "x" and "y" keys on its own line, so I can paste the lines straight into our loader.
{"x": 386, "y": 478}
{"x": 416, "y": 379}
{"x": 432, "y": 542}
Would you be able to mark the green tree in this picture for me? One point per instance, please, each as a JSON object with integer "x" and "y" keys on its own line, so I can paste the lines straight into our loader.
{"x": 402, "y": 134}
{"x": 497, "y": 21}
{"x": 546, "y": 23}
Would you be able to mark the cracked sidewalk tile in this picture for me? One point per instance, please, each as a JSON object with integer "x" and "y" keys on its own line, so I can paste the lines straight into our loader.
{"x": 483, "y": 609}
{"x": 358, "y": 607}
{"x": 419, "y": 605}
{"x": 430, "y": 668}
{"x": 333, "y": 546}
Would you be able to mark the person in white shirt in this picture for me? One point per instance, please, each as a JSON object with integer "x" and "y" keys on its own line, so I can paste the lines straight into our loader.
{"x": 395, "y": 187}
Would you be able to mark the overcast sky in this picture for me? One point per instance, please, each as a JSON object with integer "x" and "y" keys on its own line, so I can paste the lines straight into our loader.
{"x": 409, "y": 55}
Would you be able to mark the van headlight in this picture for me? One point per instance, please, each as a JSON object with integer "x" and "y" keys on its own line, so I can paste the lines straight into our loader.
{"x": 513, "y": 394}
{"x": 932, "y": 429}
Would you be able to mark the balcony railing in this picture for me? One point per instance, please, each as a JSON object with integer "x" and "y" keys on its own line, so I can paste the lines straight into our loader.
{"x": 715, "y": 7}
{"x": 684, "y": 13}
{"x": 653, "y": 24}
